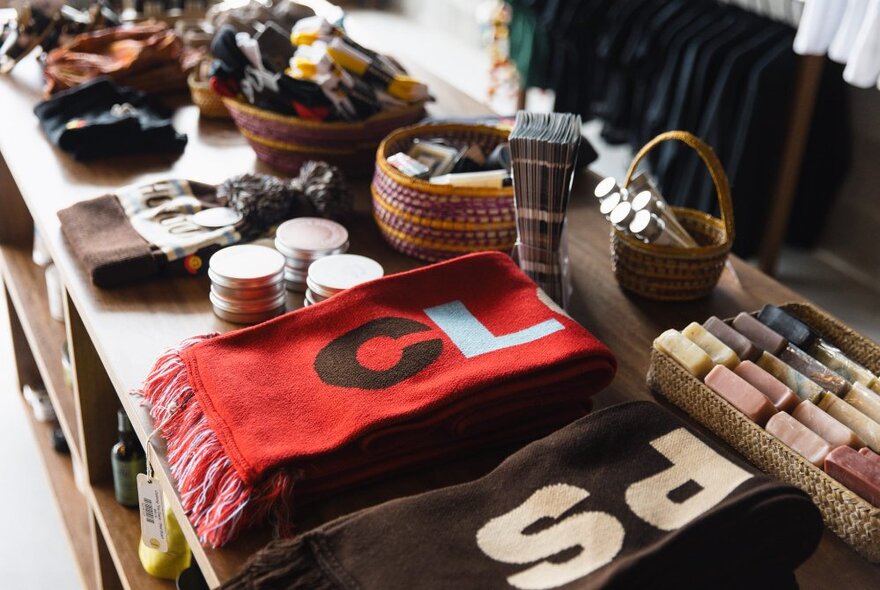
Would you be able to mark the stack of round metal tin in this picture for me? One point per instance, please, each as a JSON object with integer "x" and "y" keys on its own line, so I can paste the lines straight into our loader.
{"x": 333, "y": 274}
{"x": 304, "y": 240}
{"x": 247, "y": 283}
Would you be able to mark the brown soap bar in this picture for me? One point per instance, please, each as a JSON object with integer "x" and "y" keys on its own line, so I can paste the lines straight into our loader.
{"x": 855, "y": 471}
{"x": 776, "y": 391}
{"x": 808, "y": 414}
{"x": 797, "y": 382}
{"x": 741, "y": 345}
{"x": 814, "y": 370}
{"x": 867, "y": 429}
{"x": 760, "y": 335}
{"x": 865, "y": 451}
{"x": 801, "y": 439}
{"x": 740, "y": 394}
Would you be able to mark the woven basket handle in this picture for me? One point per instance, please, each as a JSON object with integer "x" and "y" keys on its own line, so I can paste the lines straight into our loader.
{"x": 716, "y": 170}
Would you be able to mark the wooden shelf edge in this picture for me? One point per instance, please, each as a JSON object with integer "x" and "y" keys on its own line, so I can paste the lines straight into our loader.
{"x": 120, "y": 527}
{"x": 71, "y": 504}
{"x": 43, "y": 334}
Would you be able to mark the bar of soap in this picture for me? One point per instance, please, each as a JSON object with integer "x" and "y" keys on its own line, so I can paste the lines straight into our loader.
{"x": 818, "y": 373}
{"x": 741, "y": 345}
{"x": 798, "y": 383}
{"x": 801, "y": 439}
{"x": 855, "y": 471}
{"x": 866, "y": 452}
{"x": 867, "y": 429}
{"x": 809, "y": 414}
{"x": 782, "y": 397}
{"x": 686, "y": 353}
{"x": 864, "y": 400}
{"x": 740, "y": 394}
{"x": 834, "y": 359}
{"x": 760, "y": 335}
{"x": 719, "y": 352}
{"x": 788, "y": 326}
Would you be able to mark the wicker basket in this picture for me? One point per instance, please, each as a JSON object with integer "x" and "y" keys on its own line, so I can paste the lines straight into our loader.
{"x": 435, "y": 222}
{"x": 286, "y": 142}
{"x": 852, "y": 518}
{"x": 669, "y": 273}
{"x": 210, "y": 104}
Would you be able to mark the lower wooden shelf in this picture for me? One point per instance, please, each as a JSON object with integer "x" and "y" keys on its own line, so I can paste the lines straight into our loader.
{"x": 121, "y": 528}
{"x": 72, "y": 505}
{"x": 26, "y": 285}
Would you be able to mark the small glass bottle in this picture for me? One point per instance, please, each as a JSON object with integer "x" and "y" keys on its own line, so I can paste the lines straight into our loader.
{"x": 128, "y": 460}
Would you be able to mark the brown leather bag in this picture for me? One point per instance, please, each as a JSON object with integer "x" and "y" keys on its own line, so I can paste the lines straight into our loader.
{"x": 146, "y": 56}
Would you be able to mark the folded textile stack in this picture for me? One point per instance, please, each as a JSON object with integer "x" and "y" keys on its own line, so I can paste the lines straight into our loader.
{"x": 146, "y": 56}
{"x": 394, "y": 372}
{"x": 99, "y": 119}
{"x": 623, "y": 498}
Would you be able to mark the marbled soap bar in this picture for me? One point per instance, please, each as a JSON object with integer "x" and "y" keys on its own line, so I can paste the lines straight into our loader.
{"x": 760, "y": 335}
{"x": 855, "y": 471}
{"x": 776, "y": 391}
{"x": 841, "y": 364}
{"x": 818, "y": 373}
{"x": 788, "y": 326}
{"x": 741, "y": 345}
{"x": 864, "y": 400}
{"x": 831, "y": 429}
{"x": 719, "y": 352}
{"x": 867, "y": 429}
{"x": 874, "y": 457}
{"x": 686, "y": 353}
{"x": 797, "y": 382}
{"x": 740, "y": 394}
{"x": 801, "y": 439}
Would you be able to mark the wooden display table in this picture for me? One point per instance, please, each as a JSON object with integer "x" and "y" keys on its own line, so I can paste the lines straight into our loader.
{"x": 114, "y": 336}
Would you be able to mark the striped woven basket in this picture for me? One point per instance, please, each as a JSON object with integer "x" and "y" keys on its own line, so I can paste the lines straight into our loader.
{"x": 286, "y": 142}
{"x": 435, "y": 222}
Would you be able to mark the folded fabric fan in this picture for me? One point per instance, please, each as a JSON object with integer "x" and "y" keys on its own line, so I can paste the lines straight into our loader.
{"x": 394, "y": 372}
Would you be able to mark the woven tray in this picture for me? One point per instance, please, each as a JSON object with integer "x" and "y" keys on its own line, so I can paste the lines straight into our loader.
{"x": 852, "y": 518}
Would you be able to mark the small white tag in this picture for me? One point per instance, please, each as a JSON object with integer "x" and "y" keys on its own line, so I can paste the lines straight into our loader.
{"x": 153, "y": 531}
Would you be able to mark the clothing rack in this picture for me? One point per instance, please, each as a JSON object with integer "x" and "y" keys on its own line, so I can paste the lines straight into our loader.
{"x": 803, "y": 100}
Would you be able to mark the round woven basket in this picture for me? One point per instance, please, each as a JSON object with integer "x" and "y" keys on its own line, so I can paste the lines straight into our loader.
{"x": 435, "y": 222}
{"x": 286, "y": 142}
{"x": 210, "y": 104}
{"x": 670, "y": 273}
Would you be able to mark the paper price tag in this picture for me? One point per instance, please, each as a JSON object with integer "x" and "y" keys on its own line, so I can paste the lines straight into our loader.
{"x": 152, "y": 507}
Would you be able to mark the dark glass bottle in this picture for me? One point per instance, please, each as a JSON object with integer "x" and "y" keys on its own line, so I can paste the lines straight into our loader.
{"x": 128, "y": 460}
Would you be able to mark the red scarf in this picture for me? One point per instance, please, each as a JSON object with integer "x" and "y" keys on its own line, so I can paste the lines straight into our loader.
{"x": 394, "y": 372}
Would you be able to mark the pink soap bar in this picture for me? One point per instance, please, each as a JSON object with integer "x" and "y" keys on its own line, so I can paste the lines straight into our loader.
{"x": 865, "y": 451}
{"x": 776, "y": 391}
{"x": 801, "y": 439}
{"x": 855, "y": 471}
{"x": 740, "y": 394}
{"x": 762, "y": 336}
{"x": 831, "y": 429}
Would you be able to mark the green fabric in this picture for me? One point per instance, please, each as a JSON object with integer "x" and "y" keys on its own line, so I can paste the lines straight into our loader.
{"x": 529, "y": 45}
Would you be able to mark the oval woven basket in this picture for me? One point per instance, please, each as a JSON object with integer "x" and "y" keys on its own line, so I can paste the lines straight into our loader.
{"x": 670, "y": 273}
{"x": 435, "y": 222}
{"x": 210, "y": 104}
{"x": 286, "y": 142}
